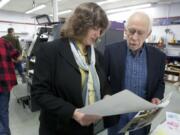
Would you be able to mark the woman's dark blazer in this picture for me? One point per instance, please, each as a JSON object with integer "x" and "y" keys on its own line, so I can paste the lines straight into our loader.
{"x": 57, "y": 88}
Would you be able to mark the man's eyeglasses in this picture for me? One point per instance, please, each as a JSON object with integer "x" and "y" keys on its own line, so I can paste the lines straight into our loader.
{"x": 132, "y": 31}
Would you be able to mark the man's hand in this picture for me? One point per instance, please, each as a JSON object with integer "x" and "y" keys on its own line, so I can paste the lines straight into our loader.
{"x": 106, "y": 96}
{"x": 156, "y": 101}
{"x": 85, "y": 120}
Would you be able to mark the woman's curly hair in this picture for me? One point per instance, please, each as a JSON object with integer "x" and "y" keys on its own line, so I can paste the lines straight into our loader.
{"x": 86, "y": 16}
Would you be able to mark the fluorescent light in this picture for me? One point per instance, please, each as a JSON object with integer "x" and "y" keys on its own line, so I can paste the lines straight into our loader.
{"x": 3, "y": 3}
{"x": 128, "y": 8}
{"x": 106, "y": 2}
{"x": 64, "y": 12}
{"x": 35, "y": 9}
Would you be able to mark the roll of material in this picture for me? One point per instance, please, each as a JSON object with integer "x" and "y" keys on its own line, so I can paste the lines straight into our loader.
{"x": 172, "y": 78}
{"x": 175, "y": 78}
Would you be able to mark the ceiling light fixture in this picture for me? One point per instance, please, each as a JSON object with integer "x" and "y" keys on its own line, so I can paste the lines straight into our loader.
{"x": 128, "y": 8}
{"x": 3, "y": 3}
{"x": 35, "y": 9}
{"x": 106, "y": 2}
{"x": 64, "y": 12}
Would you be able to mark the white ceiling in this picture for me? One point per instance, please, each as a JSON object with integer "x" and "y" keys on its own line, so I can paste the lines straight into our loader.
{"x": 24, "y": 5}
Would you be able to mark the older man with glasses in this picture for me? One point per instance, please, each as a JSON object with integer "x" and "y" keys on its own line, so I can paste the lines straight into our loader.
{"x": 133, "y": 65}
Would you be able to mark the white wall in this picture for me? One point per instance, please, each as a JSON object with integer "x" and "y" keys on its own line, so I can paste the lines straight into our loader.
{"x": 23, "y": 24}
{"x": 156, "y": 12}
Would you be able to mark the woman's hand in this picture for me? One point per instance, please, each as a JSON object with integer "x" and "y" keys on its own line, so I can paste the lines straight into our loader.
{"x": 84, "y": 119}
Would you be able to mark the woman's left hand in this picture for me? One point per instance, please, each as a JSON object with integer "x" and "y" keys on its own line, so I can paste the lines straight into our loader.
{"x": 84, "y": 119}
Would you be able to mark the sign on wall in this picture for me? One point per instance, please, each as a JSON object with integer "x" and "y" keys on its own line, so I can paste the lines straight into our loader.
{"x": 166, "y": 21}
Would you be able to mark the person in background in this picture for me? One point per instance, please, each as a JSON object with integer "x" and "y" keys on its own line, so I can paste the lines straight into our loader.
{"x": 133, "y": 65}
{"x": 69, "y": 74}
{"x": 15, "y": 42}
{"x": 7, "y": 81}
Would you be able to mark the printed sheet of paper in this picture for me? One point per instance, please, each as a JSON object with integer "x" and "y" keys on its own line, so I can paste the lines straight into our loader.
{"x": 170, "y": 127}
{"x": 144, "y": 118}
{"x": 141, "y": 120}
{"x": 122, "y": 102}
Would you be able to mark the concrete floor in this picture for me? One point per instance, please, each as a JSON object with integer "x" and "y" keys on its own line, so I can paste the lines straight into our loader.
{"x": 24, "y": 122}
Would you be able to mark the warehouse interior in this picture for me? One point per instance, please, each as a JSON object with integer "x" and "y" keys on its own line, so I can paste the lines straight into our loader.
{"x": 39, "y": 21}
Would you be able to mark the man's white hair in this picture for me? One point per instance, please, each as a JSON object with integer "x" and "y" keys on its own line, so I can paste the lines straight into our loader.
{"x": 143, "y": 16}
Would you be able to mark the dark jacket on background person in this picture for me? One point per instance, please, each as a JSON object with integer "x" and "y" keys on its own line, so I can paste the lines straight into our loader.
{"x": 57, "y": 88}
{"x": 14, "y": 41}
